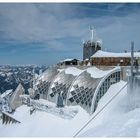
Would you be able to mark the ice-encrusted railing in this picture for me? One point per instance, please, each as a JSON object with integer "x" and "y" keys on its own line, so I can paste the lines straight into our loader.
{"x": 65, "y": 112}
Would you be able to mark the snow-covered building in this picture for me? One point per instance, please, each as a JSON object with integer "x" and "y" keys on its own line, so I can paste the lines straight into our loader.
{"x": 91, "y": 46}
{"x": 68, "y": 61}
{"x": 82, "y": 87}
{"x": 112, "y": 58}
{"x": 90, "y": 86}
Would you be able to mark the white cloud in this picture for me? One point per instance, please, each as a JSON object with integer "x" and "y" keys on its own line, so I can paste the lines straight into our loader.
{"x": 50, "y": 23}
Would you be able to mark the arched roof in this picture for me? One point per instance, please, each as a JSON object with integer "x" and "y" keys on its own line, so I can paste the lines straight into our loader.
{"x": 78, "y": 87}
{"x": 44, "y": 80}
{"x": 85, "y": 86}
{"x": 48, "y": 75}
{"x": 62, "y": 82}
{"x": 114, "y": 70}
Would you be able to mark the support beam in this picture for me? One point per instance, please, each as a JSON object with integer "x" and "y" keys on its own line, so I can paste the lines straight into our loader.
{"x": 132, "y": 65}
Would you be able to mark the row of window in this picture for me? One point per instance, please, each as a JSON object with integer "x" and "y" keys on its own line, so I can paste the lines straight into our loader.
{"x": 59, "y": 88}
{"x": 61, "y": 85}
{"x": 43, "y": 87}
{"x": 83, "y": 91}
{"x": 113, "y": 78}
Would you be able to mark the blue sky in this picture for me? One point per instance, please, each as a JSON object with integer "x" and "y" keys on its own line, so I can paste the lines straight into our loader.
{"x": 47, "y": 33}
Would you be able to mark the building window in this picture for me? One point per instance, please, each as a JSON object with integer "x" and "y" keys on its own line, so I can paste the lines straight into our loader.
{"x": 113, "y": 78}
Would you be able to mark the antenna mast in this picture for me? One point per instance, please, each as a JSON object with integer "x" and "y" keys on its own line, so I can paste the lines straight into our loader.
{"x": 93, "y": 33}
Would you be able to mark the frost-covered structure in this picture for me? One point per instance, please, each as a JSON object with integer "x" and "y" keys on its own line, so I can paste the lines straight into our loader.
{"x": 10, "y": 100}
{"x": 43, "y": 82}
{"x": 133, "y": 88}
{"x": 4, "y": 100}
{"x": 15, "y": 100}
{"x": 32, "y": 93}
{"x": 82, "y": 87}
{"x": 90, "y": 86}
{"x": 62, "y": 82}
{"x": 91, "y": 46}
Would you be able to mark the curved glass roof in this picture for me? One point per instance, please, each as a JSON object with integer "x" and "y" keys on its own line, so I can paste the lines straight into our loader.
{"x": 78, "y": 87}
{"x": 49, "y": 74}
{"x": 62, "y": 82}
{"x": 83, "y": 88}
{"x": 44, "y": 81}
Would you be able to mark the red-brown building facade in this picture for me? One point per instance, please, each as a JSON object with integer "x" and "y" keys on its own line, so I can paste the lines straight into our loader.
{"x": 112, "y": 59}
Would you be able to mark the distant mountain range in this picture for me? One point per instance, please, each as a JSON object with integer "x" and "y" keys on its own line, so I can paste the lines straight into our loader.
{"x": 11, "y": 76}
